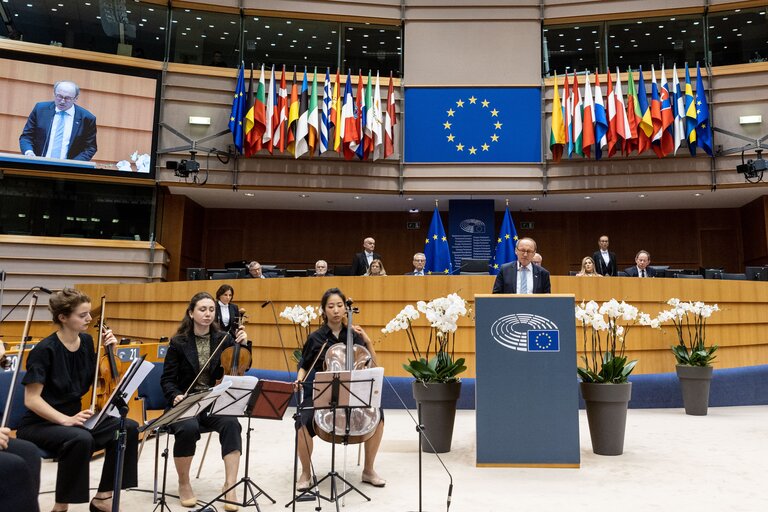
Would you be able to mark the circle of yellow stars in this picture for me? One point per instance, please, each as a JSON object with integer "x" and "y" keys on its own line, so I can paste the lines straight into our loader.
{"x": 543, "y": 344}
{"x": 459, "y": 145}
{"x": 435, "y": 238}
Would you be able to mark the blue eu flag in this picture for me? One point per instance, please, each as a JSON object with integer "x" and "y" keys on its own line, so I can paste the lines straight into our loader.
{"x": 238, "y": 111}
{"x": 473, "y": 124}
{"x": 703, "y": 128}
{"x": 543, "y": 340}
{"x": 436, "y": 248}
{"x": 505, "y": 244}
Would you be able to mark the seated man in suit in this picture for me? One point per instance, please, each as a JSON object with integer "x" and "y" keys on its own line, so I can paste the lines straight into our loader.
{"x": 537, "y": 259}
{"x": 605, "y": 261}
{"x": 641, "y": 268}
{"x": 419, "y": 260}
{"x": 522, "y": 276}
{"x": 363, "y": 259}
{"x": 254, "y": 270}
{"x": 60, "y": 128}
{"x": 321, "y": 269}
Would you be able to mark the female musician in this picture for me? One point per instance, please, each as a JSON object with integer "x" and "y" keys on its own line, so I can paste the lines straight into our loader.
{"x": 227, "y": 313}
{"x": 193, "y": 344}
{"x": 20, "y": 470}
{"x": 588, "y": 268}
{"x": 376, "y": 268}
{"x": 60, "y": 371}
{"x": 333, "y": 330}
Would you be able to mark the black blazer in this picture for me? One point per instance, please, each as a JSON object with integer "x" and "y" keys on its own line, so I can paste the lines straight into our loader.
{"x": 234, "y": 314}
{"x": 82, "y": 142}
{"x": 506, "y": 280}
{"x": 632, "y": 272}
{"x": 360, "y": 263}
{"x": 611, "y": 269}
{"x": 181, "y": 365}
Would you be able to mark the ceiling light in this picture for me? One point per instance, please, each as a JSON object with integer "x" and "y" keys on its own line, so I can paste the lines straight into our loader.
{"x": 534, "y": 199}
{"x": 409, "y": 199}
{"x": 357, "y": 197}
{"x": 697, "y": 194}
{"x": 587, "y": 197}
{"x": 249, "y": 194}
{"x": 303, "y": 196}
{"x": 413, "y": 210}
{"x": 641, "y": 195}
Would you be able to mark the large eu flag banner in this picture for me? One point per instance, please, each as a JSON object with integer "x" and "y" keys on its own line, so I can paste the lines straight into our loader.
{"x": 472, "y": 124}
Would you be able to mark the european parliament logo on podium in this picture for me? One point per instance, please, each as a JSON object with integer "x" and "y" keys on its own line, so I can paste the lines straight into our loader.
{"x": 527, "y": 333}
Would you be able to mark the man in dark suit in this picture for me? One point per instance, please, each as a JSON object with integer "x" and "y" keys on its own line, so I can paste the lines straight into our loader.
{"x": 363, "y": 259}
{"x": 321, "y": 269}
{"x": 419, "y": 260}
{"x": 641, "y": 268}
{"x": 522, "y": 276}
{"x": 59, "y": 128}
{"x": 605, "y": 261}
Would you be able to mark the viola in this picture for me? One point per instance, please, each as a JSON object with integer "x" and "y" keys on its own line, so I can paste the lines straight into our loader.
{"x": 108, "y": 367}
{"x": 236, "y": 360}
{"x": 356, "y": 424}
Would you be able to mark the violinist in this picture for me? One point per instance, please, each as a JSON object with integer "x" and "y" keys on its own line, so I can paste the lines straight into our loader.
{"x": 60, "y": 371}
{"x": 193, "y": 344}
{"x": 20, "y": 470}
{"x": 333, "y": 330}
{"x": 227, "y": 313}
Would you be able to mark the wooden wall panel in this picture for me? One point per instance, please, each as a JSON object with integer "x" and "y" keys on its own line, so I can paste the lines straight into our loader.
{"x": 754, "y": 224}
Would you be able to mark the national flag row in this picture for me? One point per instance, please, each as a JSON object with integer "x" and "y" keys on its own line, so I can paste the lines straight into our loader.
{"x": 588, "y": 125}
{"x": 302, "y": 121}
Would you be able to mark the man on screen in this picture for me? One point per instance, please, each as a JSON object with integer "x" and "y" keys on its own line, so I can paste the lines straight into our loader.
{"x": 60, "y": 128}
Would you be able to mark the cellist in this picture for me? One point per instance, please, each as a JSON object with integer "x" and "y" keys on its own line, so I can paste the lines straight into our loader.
{"x": 195, "y": 341}
{"x": 60, "y": 370}
{"x": 333, "y": 330}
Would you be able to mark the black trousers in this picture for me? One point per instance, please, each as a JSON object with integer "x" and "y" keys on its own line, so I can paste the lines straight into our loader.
{"x": 74, "y": 447}
{"x": 19, "y": 477}
{"x": 187, "y": 432}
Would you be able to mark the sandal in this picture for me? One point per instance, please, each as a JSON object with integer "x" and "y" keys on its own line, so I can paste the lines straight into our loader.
{"x": 94, "y": 508}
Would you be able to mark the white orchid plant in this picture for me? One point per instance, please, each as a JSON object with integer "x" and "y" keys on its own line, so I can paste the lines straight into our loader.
{"x": 301, "y": 317}
{"x": 443, "y": 315}
{"x": 142, "y": 163}
{"x": 605, "y": 327}
{"x": 690, "y": 321}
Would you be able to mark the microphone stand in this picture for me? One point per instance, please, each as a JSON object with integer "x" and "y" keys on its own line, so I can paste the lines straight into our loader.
{"x": 2, "y": 290}
{"x": 13, "y": 308}
{"x": 423, "y": 437}
{"x": 22, "y": 346}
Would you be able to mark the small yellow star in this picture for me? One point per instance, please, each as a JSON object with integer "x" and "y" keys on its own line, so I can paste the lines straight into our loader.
{"x": 445, "y": 271}
{"x": 486, "y": 103}
{"x": 447, "y": 125}
{"x": 498, "y": 241}
{"x": 472, "y": 150}
{"x": 460, "y": 147}
{"x": 460, "y": 103}
{"x": 451, "y": 137}
{"x": 426, "y": 240}
{"x": 497, "y": 125}
{"x": 485, "y": 147}
{"x": 434, "y": 237}
{"x": 515, "y": 238}
{"x": 495, "y": 265}
{"x": 494, "y": 138}
{"x": 703, "y": 125}
{"x": 444, "y": 239}
{"x": 231, "y": 118}
{"x": 451, "y": 112}
{"x": 472, "y": 100}
{"x": 494, "y": 113}
{"x": 429, "y": 273}
{"x": 506, "y": 237}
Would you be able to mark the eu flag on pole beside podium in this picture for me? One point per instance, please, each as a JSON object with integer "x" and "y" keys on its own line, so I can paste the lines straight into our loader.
{"x": 436, "y": 248}
{"x": 238, "y": 110}
{"x": 473, "y": 124}
{"x": 505, "y": 244}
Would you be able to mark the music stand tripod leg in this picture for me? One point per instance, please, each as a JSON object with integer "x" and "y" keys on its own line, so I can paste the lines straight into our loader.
{"x": 162, "y": 506}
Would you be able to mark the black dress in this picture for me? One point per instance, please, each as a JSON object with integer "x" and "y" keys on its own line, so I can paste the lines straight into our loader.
{"x": 67, "y": 376}
{"x": 20, "y": 481}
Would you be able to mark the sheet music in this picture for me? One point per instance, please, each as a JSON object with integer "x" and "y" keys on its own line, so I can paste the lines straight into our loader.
{"x": 215, "y": 393}
{"x": 136, "y": 372}
{"x": 365, "y": 393}
{"x": 234, "y": 400}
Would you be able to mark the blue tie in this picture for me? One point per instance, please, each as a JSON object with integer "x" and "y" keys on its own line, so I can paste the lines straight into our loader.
{"x": 58, "y": 137}
{"x": 523, "y": 279}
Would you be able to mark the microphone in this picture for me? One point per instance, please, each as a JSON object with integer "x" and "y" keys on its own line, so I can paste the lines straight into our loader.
{"x": 265, "y": 304}
{"x": 43, "y": 289}
{"x": 450, "y": 492}
{"x": 2, "y": 275}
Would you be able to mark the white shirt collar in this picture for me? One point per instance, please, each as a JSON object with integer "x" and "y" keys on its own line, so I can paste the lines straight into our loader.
{"x": 70, "y": 111}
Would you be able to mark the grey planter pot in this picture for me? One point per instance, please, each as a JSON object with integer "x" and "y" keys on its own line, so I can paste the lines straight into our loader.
{"x": 607, "y": 415}
{"x": 438, "y": 412}
{"x": 694, "y": 383}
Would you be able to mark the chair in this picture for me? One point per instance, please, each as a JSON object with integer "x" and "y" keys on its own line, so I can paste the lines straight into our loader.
{"x": 342, "y": 270}
{"x": 621, "y": 273}
{"x": 223, "y": 275}
{"x": 573, "y": 272}
{"x": 712, "y": 273}
{"x": 18, "y": 409}
{"x": 728, "y": 276}
{"x": 150, "y": 393}
{"x": 690, "y": 276}
{"x": 296, "y": 273}
{"x": 474, "y": 267}
{"x": 660, "y": 270}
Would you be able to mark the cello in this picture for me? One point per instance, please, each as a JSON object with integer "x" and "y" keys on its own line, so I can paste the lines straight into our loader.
{"x": 353, "y": 425}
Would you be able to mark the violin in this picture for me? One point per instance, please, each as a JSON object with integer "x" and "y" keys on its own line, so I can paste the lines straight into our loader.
{"x": 107, "y": 368}
{"x": 236, "y": 360}
{"x": 353, "y": 425}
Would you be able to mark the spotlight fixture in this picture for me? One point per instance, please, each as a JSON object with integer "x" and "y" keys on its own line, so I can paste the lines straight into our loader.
{"x": 752, "y": 168}
{"x": 184, "y": 168}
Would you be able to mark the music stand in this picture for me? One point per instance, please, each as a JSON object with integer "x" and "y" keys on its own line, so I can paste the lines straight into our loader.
{"x": 189, "y": 407}
{"x": 251, "y": 397}
{"x": 343, "y": 390}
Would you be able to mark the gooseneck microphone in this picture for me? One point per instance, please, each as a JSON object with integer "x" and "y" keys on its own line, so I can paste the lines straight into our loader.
{"x": 34, "y": 288}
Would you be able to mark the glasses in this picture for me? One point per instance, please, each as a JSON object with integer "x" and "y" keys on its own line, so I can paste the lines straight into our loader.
{"x": 65, "y": 98}
{"x": 525, "y": 251}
